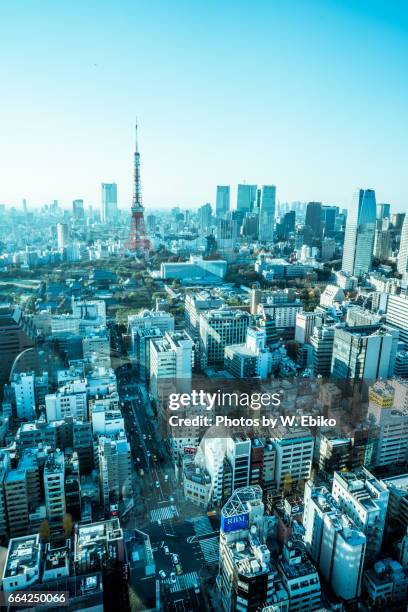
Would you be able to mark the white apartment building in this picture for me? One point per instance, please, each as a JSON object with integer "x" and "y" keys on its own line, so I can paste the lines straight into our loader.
{"x": 89, "y": 309}
{"x": 54, "y": 486}
{"x": 305, "y": 322}
{"x": 335, "y": 544}
{"x": 146, "y": 319}
{"x": 115, "y": 460}
{"x": 332, "y": 296}
{"x": 392, "y": 421}
{"x": 397, "y": 315}
{"x": 171, "y": 360}
{"x": 96, "y": 348}
{"x": 23, "y": 386}
{"x": 106, "y": 417}
{"x": 69, "y": 400}
{"x": 214, "y": 450}
{"x": 364, "y": 499}
{"x": 294, "y": 454}
{"x": 283, "y": 308}
{"x": 251, "y": 359}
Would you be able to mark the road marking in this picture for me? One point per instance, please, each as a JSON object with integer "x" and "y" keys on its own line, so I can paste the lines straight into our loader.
{"x": 165, "y": 513}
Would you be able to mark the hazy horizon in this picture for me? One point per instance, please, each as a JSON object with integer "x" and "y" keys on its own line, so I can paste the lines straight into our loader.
{"x": 311, "y": 97}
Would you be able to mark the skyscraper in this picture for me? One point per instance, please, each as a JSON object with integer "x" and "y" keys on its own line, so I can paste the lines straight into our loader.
{"x": 222, "y": 204}
{"x": 267, "y": 214}
{"x": 329, "y": 217}
{"x": 360, "y": 233}
{"x": 246, "y": 198}
{"x": 383, "y": 211}
{"x": 402, "y": 261}
{"x": 62, "y": 235}
{"x": 204, "y": 216}
{"x": 78, "y": 209}
{"x": 109, "y": 201}
{"x": 313, "y": 218}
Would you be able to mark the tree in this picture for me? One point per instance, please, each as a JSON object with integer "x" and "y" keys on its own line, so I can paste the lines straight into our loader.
{"x": 67, "y": 524}
{"x": 287, "y": 483}
{"x": 45, "y": 531}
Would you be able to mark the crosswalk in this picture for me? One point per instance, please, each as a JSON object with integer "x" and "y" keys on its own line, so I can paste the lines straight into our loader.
{"x": 202, "y": 525}
{"x": 183, "y": 582}
{"x": 210, "y": 548}
{"x": 165, "y": 513}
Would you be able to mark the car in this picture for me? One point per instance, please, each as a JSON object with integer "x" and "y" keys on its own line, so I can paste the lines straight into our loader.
{"x": 166, "y": 478}
{"x": 179, "y": 569}
{"x": 173, "y": 577}
{"x": 157, "y": 484}
{"x": 144, "y": 436}
{"x": 171, "y": 499}
{"x": 196, "y": 588}
{"x": 166, "y": 550}
{"x": 138, "y": 459}
{"x": 175, "y": 558}
{"x": 162, "y": 574}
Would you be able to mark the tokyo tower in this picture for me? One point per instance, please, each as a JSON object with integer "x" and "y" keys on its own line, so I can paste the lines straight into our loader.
{"x": 138, "y": 241}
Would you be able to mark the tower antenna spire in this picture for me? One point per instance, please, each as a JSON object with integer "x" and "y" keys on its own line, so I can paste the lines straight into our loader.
{"x": 138, "y": 240}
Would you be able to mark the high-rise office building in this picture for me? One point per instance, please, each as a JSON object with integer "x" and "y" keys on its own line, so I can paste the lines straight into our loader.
{"x": 383, "y": 211}
{"x": 62, "y": 235}
{"x": 329, "y": 218}
{"x": 246, "y": 198}
{"x": 363, "y": 352}
{"x": 402, "y": 260}
{"x": 17, "y": 333}
{"x": 227, "y": 232}
{"x": 115, "y": 468}
{"x": 205, "y": 216}
{"x": 313, "y": 219}
{"x": 219, "y": 328}
{"x": 382, "y": 243}
{"x": 78, "y": 209}
{"x": 247, "y": 578}
{"x": 109, "y": 202}
{"x": 397, "y": 315}
{"x": 360, "y": 233}
{"x": 222, "y": 204}
{"x": 267, "y": 213}
{"x": 287, "y": 225}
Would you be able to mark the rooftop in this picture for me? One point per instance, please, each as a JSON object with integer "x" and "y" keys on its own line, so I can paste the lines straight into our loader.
{"x": 23, "y": 555}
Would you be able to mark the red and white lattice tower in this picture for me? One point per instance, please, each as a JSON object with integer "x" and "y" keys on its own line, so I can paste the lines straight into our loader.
{"x": 138, "y": 241}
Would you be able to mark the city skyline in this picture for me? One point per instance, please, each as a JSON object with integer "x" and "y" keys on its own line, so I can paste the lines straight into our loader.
{"x": 296, "y": 107}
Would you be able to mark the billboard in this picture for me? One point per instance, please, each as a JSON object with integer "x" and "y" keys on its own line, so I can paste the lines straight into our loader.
{"x": 234, "y": 523}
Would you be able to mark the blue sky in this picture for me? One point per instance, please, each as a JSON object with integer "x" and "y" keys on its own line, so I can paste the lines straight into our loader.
{"x": 309, "y": 95}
